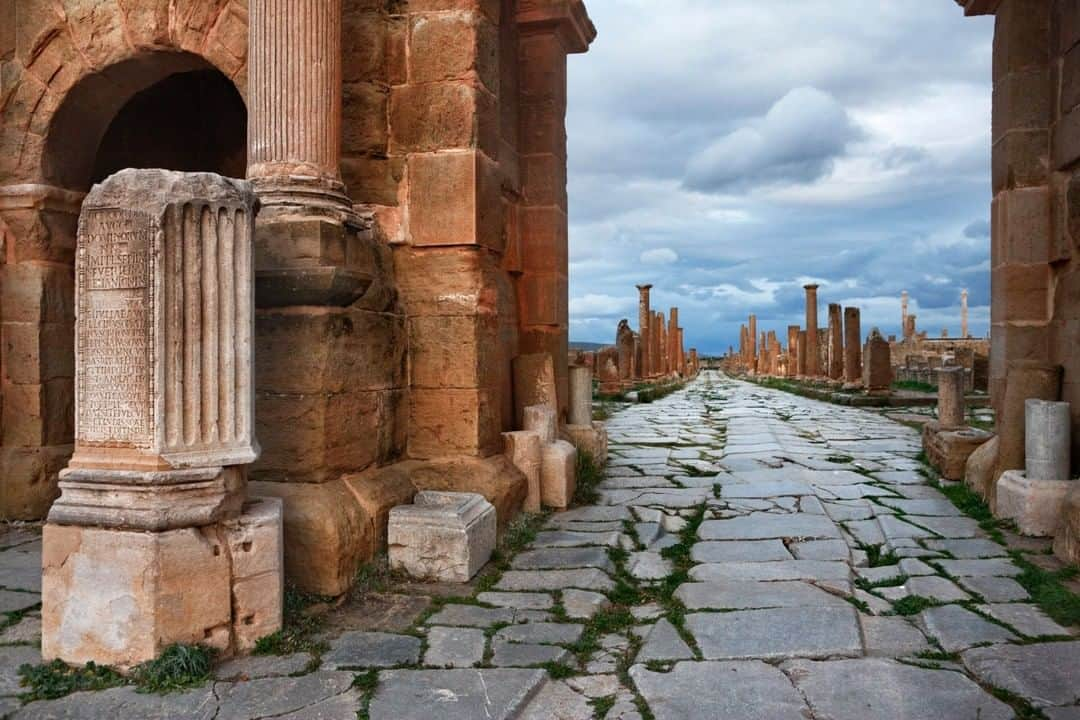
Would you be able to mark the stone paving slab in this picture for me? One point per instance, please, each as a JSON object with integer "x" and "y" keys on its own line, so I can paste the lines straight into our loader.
{"x": 1046, "y": 673}
{"x": 956, "y": 628}
{"x": 777, "y": 633}
{"x": 491, "y": 694}
{"x": 750, "y": 595}
{"x": 124, "y": 703}
{"x": 374, "y": 649}
{"x": 763, "y": 526}
{"x": 748, "y": 690}
{"x": 746, "y": 550}
{"x": 780, "y": 570}
{"x": 879, "y": 689}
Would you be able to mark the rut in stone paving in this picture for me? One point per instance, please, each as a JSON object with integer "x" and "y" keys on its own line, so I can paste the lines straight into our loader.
{"x": 750, "y": 554}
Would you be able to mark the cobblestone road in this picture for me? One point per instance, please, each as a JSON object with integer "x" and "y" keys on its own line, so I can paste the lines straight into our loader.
{"x": 751, "y": 555}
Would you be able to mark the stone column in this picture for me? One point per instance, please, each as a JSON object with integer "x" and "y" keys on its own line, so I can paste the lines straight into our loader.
{"x": 812, "y": 368}
{"x": 904, "y": 314}
{"x": 950, "y": 407}
{"x": 801, "y": 354}
{"x": 793, "y": 350}
{"x": 852, "y": 346}
{"x": 1048, "y": 440}
{"x": 645, "y": 329}
{"x": 673, "y": 340}
{"x": 153, "y": 500}
{"x": 752, "y": 330}
{"x": 964, "y": 314}
{"x": 877, "y": 370}
{"x": 836, "y": 342}
{"x": 580, "y": 396}
{"x": 910, "y": 327}
{"x": 294, "y": 102}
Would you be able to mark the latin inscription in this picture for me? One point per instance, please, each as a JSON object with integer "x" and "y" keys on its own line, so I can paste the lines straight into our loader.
{"x": 114, "y": 329}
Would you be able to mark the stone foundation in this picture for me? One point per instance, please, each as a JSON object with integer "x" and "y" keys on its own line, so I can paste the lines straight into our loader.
{"x": 948, "y": 450}
{"x": 1067, "y": 540}
{"x": 119, "y": 597}
{"x": 1035, "y": 505}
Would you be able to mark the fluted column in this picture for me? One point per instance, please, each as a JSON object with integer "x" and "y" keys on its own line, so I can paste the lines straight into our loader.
{"x": 294, "y": 101}
{"x": 812, "y": 365}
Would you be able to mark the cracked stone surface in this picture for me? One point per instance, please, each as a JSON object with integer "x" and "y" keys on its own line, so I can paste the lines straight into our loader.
{"x": 746, "y": 559}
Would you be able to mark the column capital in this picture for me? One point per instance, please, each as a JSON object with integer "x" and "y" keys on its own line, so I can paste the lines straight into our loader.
{"x": 643, "y": 288}
{"x": 568, "y": 19}
{"x": 811, "y": 287}
{"x": 979, "y": 7}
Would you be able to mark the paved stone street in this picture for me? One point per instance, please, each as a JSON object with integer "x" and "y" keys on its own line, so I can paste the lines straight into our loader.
{"x": 751, "y": 555}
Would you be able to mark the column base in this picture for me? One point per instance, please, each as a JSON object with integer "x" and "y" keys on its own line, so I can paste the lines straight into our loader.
{"x": 153, "y": 501}
{"x": 119, "y": 597}
{"x": 948, "y": 449}
{"x": 1035, "y": 505}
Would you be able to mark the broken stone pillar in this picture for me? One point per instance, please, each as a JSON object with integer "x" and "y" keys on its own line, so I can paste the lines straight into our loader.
{"x": 950, "y": 407}
{"x": 523, "y": 450}
{"x": 752, "y": 331}
{"x": 673, "y": 341}
{"x": 793, "y": 350}
{"x": 800, "y": 351}
{"x": 534, "y": 383}
{"x": 580, "y": 396}
{"x": 836, "y": 342}
{"x": 153, "y": 502}
{"x": 963, "y": 314}
{"x": 624, "y": 341}
{"x": 645, "y": 330}
{"x": 877, "y": 368}
{"x": 910, "y": 328}
{"x": 1034, "y": 499}
{"x": 904, "y": 314}
{"x": 812, "y": 366}
{"x": 558, "y": 458}
{"x": 442, "y": 536}
{"x": 852, "y": 346}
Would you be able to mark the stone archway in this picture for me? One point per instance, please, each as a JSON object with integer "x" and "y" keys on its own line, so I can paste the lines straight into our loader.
{"x": 172, "y": 110}
{"x": 169, "y": 109}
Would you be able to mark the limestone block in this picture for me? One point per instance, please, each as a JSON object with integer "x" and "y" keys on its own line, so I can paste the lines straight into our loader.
{"x": 591, "y": 438}
{"x": 950, "y": 383}
{"x": 1035, "y": 505}
{"x": 1067, "y": 540}
{"x": 523, "y": 449}
{"x": 379, "y": 490}
{"x": 540, "y": 419}
{"x": 327, "y": 534}
{"x": 445, "y": 537}
{"x": 534, "y": 383}
{"x": 495, "y": 477}
{"x": 256, "y": 549}
{"x": 948, "y": 450}
{"x": 119, "y": 597}
{"x": 558, "y": 474}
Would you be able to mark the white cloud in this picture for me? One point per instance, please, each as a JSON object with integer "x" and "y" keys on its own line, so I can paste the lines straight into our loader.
{"x": 659, "y": 256}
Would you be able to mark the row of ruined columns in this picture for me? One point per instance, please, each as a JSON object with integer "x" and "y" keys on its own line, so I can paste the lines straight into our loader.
{"x": 834, "y": 352}
{"x": 661, "y": 341}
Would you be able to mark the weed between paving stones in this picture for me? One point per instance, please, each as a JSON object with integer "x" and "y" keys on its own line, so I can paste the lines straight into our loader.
{"x": 179, "y": 667}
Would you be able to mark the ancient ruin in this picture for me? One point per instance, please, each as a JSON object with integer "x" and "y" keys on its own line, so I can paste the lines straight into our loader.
{"x": 292, "y": 424}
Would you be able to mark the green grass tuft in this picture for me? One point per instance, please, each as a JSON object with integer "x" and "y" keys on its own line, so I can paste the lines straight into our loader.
{"x": 177, "y": 668}
{"x": 1048, "y": 591}
{"x": 298, "y": 629}
{"x": 913, "y": 605}
{"x": 589, "y": 475}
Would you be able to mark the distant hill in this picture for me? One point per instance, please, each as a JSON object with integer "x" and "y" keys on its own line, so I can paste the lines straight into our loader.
{"x": 586, "y": 346}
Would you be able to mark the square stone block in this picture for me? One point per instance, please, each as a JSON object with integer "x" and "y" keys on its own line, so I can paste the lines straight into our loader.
{"x": 558, "y": 478}
{"x": 119, "y": 597}
{"x": 442, "y": 536}
{"x": 257, "y": 550}
{"x": 1035, "y": 505}
{"x": 948, "y": 450}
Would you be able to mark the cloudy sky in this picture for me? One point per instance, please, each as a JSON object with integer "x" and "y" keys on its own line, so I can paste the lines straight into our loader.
{"x": 730, "y": 151}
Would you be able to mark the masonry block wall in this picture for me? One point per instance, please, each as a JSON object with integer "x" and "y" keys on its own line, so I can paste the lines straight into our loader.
{"x": 1035, "y": 255}
{"x": 452, "y": 151}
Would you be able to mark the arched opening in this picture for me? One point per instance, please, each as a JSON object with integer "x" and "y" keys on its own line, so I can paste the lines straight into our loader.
{"x": 191, "y": 121}
{"x": 171, "y": 110}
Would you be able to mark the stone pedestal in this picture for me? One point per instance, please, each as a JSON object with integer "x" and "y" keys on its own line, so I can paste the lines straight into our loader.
{"x": 442, "y": 536}
{"x": 877, "y": 365}
{"x": 948, "y": 450}
{"x": 581, "y": 396}
{"x": 1035, "y": 498}
{"x": 591, "y": 439}
{"x": 154, "y": 495}
{"x": 950, "y": 406}
{"x": 1067, "y": 539}
{"x": 534, "y": 383}
{"x": 558, "y": 474}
